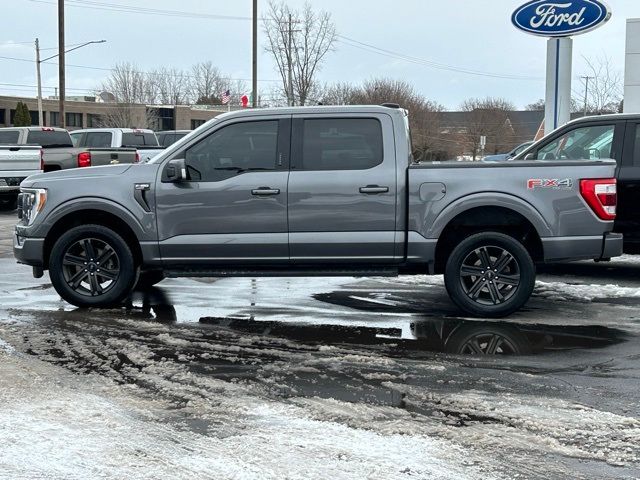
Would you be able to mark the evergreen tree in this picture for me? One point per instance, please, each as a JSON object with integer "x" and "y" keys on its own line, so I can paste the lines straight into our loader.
{"x": 22, "y": 118}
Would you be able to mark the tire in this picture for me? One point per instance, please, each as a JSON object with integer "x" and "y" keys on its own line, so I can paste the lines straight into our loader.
{"x": 497, "y": 291}
{"x": 488, "y": 340}
{"x": 92, "y": 266}
{"x": 149, "y": 278}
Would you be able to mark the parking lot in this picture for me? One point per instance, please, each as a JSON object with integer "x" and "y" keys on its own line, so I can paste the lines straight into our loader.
{"x": 329, "y": 377}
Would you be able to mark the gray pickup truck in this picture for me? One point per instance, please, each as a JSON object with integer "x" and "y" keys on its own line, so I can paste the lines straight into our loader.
{"x": 17, "y": 162}
{"x": 59, "y": 152}
{"x": 314, "y": 191}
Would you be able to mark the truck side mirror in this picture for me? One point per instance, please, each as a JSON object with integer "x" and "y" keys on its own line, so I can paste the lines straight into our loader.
{"x": 175, "y": 171}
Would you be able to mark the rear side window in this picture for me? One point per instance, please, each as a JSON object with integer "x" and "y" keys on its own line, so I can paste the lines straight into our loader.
{"x": 139, "y": 139}
{"x": 9, "y": 138}
{"x": 636, "y": 148}
{"x": 97, "y": 139}
{"x": 167, "y": 139}
{"x": 49, "y": 138}
{"x": 341, "y": 144}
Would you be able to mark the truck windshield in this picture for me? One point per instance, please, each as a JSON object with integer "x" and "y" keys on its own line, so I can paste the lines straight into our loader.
{"x": 139, "y": 139}
{"x": 9, "y": 138}
{"x": 49, "y": 138}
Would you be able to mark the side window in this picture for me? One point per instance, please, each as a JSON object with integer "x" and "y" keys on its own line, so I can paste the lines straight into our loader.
{"x": 75, "y": 138}
{"x": 234, "y": 149}
{"x": 583, "y": 143}
{"x": 636, "y": 148}
{"x": 97, "y": 139}
{"x": 342, "y": 144}
{"x": 9, "y": 137}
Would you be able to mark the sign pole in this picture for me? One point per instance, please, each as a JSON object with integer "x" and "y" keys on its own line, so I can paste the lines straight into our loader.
{"x": 558, "y": 90}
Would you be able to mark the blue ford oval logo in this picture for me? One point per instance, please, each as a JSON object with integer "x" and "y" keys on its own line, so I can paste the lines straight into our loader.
{"x": 560, "y": 18}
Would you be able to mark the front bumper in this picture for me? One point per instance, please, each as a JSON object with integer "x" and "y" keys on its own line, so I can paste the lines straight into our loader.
{"x": 29, "y": 251}
{"x": 562, "y": 249}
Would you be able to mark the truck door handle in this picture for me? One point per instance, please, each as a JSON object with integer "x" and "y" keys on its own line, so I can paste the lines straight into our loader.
{"x": 371, "y": 189}
{"x": 264, "y": 191}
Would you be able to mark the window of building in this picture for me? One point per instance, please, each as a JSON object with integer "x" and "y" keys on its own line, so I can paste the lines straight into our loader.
{"x": 196, "y": 123}
{"x": 34, "y": 117}
{"x": 3, "y": 116}
{"x": 73, "y": 119}
{"x": 234, "y": 149}
{"x": 94, "y": 120}
{"x": 342, "y": 144}
{"x": 54, "y": 119}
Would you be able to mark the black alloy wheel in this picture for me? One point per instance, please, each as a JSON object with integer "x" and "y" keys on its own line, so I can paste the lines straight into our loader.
{"x": 92, "y": 266}
{"x": 489, "y": 274}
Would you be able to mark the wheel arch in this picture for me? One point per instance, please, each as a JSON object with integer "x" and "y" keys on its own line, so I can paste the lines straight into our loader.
{"x": 109, "y": 215}
{"x": 485, "y": 218}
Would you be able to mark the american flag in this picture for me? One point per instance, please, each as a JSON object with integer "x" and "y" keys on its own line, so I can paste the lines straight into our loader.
{"x": 226, "y": 96}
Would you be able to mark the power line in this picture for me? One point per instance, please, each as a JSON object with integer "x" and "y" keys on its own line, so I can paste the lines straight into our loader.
{"x": 428, "y": 63}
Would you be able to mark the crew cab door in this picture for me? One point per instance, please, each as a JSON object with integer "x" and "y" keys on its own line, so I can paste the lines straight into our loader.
{"x": 233, "y": 206}
{"x": 342, "y": 189}
{"x": 628, "y": 218}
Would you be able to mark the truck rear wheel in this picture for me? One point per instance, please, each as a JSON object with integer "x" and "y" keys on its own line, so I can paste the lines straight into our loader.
{"x": 490, "y": 274}
{"x": 92, "y": 266}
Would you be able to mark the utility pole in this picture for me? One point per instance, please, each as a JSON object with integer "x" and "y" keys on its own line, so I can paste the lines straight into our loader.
{"x": 61, "y": 80}
{"x": 586, "y": 92}
{"x": 254, "y": 66}
{"x": 39, "y": 78}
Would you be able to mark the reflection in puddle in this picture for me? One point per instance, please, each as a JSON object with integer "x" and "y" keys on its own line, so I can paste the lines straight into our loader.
{"x": 439, "y": 334}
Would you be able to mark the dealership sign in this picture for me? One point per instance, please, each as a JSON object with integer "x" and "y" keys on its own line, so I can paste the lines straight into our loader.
{"x": 560, "y": 18}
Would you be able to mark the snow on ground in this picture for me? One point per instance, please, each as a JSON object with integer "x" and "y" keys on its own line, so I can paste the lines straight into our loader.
{"x": 73, "y": 427}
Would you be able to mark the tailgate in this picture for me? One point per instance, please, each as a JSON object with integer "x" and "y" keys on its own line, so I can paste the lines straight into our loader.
{"x": 19, "y": 159}
{"x": 112, "y": 156}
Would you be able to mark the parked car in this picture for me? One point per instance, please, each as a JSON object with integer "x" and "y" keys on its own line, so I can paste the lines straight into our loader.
{"x": 501, "y": 157}
{"x": 169, "y": 137}
{"x": 595, "y": 138}
{"x": 315, "y": 191}
{"x": 17, "y": 162}
{"x": 143, "y": 140}
{"x": 58, "y": 150}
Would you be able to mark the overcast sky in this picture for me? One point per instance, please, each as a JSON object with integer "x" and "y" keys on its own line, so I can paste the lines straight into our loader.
{"x": 474, "y": 35}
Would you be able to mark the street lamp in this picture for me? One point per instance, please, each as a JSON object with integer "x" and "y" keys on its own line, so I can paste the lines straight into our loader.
{"x": 39, "y": 61}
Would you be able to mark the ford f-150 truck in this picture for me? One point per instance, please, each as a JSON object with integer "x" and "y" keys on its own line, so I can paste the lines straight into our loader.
{"x": 314, "y": 191}
{"x": 593, "y": 138}
{"x": 143, "y": 140}
{"x": 17, "y": 162}
{"x": 58, "y": 151}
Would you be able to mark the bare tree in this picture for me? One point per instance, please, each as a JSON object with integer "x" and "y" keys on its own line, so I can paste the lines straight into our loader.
{"x": 488, "y": 117}
{"x": 171, "y": 84}
{"x": 299, "y": 43}
{"x": 603, "y": 85}
{"x": 536, "y": 106}
{"x": 338, "y": 94}
{"x": 207, "y": 83}
{"x": 131, "y": 88}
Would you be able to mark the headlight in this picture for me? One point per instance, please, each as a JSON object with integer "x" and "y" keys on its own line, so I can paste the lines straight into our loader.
{"x": 31, "y": 203}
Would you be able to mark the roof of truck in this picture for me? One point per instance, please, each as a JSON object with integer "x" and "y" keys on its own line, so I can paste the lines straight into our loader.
{"x": 311, "y": 109}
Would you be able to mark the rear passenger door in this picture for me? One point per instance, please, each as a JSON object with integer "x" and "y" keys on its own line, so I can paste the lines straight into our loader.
{"x": 342, "y": 189}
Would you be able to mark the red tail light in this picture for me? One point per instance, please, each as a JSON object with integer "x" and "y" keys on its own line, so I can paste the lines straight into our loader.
{"x": 84, "y": 159}
{"x": 137, "y": 157}
{"x": 601, "y": 195}
{"x": 42, "y": 160}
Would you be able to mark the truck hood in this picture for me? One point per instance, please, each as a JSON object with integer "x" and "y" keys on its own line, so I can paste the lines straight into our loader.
{"x": 76, "y": 173}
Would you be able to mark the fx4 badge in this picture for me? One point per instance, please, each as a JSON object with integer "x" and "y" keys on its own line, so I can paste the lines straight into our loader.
{"x": 556, "y": 183}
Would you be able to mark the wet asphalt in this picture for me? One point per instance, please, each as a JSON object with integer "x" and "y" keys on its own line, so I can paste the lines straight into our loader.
{"x": 575, "y": 345}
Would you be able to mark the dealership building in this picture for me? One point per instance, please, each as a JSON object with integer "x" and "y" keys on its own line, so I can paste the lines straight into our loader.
{"x": 89, "y": 112}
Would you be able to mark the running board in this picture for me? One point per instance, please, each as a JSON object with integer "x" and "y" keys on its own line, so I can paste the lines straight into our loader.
{"x": 283, "y": 272}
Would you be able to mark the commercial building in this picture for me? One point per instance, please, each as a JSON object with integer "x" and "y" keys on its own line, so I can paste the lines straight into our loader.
{"x": 88, "y": 112}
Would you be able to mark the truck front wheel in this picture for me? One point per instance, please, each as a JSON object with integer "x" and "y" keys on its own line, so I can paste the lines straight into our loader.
{"x": 92, "y": 266}
{"x": 490, "y": 274}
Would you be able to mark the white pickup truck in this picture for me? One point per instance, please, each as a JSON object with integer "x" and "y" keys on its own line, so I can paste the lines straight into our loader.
{"x": 145, "y": 141}
{"x": 17, "y": 162}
